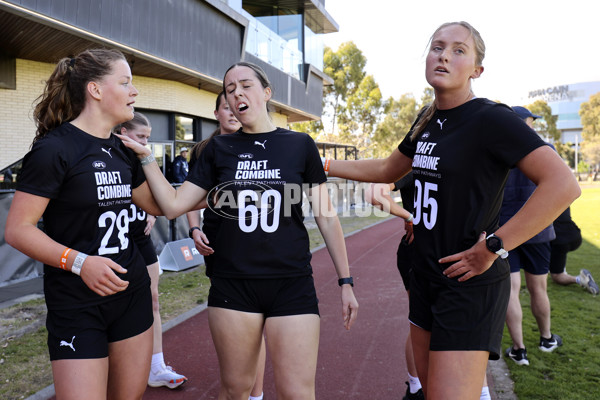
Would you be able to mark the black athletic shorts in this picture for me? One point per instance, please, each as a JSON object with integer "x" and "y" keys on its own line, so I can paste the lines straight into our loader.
{"x": 148, "y": 252}
{"x": 84, "y": 333}
{"x": 533, "y": 258}
{"x": 404, "y": 257}
{"x": 460, "y": 317}
{"x": 271, "y": 297}
{"x": 558, "y": 255}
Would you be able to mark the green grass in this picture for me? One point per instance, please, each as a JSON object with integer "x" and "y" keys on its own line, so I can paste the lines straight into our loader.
{"x": 571, "y": 371}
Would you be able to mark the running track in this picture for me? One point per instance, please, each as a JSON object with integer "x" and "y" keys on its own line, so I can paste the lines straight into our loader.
{"x": 366, "y": 362}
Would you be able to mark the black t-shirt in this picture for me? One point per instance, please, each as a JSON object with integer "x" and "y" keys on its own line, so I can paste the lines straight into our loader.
{"x": 260, "y": 231}
{"x": 89, "y": 182}
{"x": 460, "y": 164}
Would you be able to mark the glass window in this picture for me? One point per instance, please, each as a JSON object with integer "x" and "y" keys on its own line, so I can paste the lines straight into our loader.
{"x": 184, "y": 128}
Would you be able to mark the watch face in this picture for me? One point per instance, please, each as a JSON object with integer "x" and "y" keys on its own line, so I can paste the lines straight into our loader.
{"x": 494, "y": 243}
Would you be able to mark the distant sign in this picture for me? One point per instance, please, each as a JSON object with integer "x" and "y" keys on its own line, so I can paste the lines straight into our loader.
{"x": 553, "y": 93}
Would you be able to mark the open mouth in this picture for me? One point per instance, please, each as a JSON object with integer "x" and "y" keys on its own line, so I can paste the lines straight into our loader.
{"x": 441, "y": 69}
{"x": 242, "y": 107}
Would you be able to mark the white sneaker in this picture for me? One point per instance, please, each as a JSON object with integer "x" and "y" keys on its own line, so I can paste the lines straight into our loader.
{"x": 587, "y": 281}
{"x": 166, "y": 377}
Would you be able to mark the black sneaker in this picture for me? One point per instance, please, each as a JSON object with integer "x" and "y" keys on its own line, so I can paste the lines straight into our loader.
{"x": 413, "y": 396}
{"x": 548, "y": 345}
{"x": 517, "y": 355}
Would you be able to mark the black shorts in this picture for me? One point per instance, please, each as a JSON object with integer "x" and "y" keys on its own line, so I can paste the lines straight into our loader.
{"x": 271, "y": 297}
{"x": 460, "y": 317}
{"x": 404, "y": 257}
{"x": 84, "y": 333}
{"x": 533, "y": 258}
{"x": 558, "y": 255}
{"x": 148, "y": 252}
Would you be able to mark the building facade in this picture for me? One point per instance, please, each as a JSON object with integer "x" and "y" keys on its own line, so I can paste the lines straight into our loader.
{"x": 565, "y": 101}
{"x": 178, "y": 52}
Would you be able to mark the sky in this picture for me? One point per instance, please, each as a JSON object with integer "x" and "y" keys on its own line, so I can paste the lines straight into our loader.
{"x": 530, "y": 44}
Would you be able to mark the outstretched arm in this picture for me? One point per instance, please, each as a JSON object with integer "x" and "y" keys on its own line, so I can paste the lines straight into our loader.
{"x": 173, "y": 203}
{"x": 329, "y": 225}
{"x": 382, "y": 170}
{"x": 378, "y": 194}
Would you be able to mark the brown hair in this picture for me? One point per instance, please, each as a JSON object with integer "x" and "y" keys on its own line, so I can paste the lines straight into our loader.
{"x": 139, "y": 119}
{"x": 430, "y": 109}
{"x": 260, "y": 74}
{"x": 64, "y": 95}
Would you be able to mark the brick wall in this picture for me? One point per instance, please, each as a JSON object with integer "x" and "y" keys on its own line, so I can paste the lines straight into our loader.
{"x": 17, "y": 128}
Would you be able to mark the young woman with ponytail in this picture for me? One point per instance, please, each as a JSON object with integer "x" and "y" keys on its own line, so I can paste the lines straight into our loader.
{"x": 460, "y": 150}
{"x": 83, "y": 181}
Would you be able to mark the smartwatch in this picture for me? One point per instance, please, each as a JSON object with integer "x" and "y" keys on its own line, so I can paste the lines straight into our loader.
{"x": 344, "y": 281}
{"x": 495, "y": 245}
{"x": 191, "y": 231}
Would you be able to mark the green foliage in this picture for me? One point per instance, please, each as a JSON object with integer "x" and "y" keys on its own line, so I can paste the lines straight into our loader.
{"x": 346, "y": 67}
{"x": 590, "y": 117}
{"x": 590, "y": 120}
{"x": 547, "y": 125}
{"x": 398, "y": 118}
{"x": 590, "y": 150}
{"x": 582, "y": 166}
{"x": 313, "y": 128}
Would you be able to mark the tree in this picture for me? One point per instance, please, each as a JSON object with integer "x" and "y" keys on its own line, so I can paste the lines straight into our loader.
{"x": 357, "y": 122}
{"x": 399, "y": 116}
{"x": 346, "y": 67}
{"x": 590, "y": 120}
{"x": 547, "y": 125}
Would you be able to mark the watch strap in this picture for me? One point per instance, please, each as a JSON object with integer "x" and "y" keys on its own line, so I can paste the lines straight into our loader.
{"x": 346, "y": 281}
{"x": 191, "y": 231}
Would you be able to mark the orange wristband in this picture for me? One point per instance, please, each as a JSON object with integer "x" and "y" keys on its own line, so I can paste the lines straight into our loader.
{"x": 63, "y": 259}
{"x": 326, "y": 166}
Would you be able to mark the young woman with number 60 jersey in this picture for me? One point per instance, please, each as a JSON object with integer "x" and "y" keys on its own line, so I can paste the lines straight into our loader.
{"x": 261, "y": 277}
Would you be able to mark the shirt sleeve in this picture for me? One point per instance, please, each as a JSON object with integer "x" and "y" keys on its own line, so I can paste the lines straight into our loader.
{"x": 43, "y": 171}
{"x": 509, "y": 138}
{"x": 314, "y": 172}
{"x": 203, "y": 171}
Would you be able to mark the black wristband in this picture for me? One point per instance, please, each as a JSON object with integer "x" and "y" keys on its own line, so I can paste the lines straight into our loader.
{"x": 191, "y": 231}
{"x": 344, "y": 281}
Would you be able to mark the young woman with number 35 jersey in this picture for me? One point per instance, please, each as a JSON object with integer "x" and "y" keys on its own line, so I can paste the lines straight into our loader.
{"x": 261, "y": 276}
{"x": 460, "y": 150}
{"x": 82, "y": 180}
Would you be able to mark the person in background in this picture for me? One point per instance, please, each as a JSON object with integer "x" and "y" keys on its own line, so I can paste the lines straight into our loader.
{"x": 461, "y": 149}
{"x": 255, "y": 179}
{"x": 533, "y": 257}
{"x": 568, "y": 238}
{"x": 8, "y": 175}
{"x": 227, "y": 124}
{"x": 82, "y": 180}
{"x": 180, "y": 166}
{"x": 139, "y": 129}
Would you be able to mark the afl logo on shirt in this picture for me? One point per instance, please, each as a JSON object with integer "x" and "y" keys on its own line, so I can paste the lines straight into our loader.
{"x": 99, "y": 164}
{"x": 246, "y": 156}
